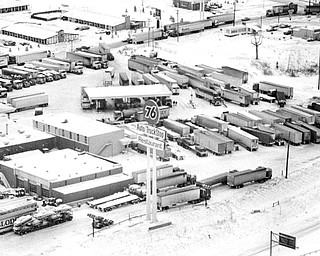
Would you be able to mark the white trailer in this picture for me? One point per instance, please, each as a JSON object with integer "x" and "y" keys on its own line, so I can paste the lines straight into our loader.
{"x": 29, "y": 101}
{"x": 245, "y": 139}
{"x": 30, "y": 56}
{"x": 265, "y": 86}
{"x": 182, "y": 80}
{"x": 189, "y": 194}
{"x": 140, "y": 37}
{"x": 150, "y": 79}
{"x": 177, "y": 127}
{"x": 303, "y": 116}
{"x": 256, "y": 120}
{"x": 210, "y": 142}
{"x": 140, "y": 176}
{"x": 95, "y": 203}
{"x": 169, "y": 82}
{"x": 289, "y": 134}
{"x": 254, "y": 96}
{"x": 210, "y": 122}
{"x": 108, "y": 206}
{"x": 237, "y": 120}
{"x": 136, "y": 78}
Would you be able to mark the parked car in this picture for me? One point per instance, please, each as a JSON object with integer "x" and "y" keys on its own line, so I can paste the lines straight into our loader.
{"x": 82, "y": 28}
{"x": 245, "y": 19}
{"x": 288, "y": 32}
{"x": 310, "y": 39}
{"x": 284, "y": 25}
{"x": 103, "y": 31}
{"x": 271, "y": 29}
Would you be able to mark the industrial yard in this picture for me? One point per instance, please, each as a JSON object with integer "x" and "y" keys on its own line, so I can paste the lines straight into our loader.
{"x": 235, "y": 221}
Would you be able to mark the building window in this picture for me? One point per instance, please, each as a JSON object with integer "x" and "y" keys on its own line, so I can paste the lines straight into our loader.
{"x": 44, "y": 127}
{"x": 86, "y": 139}
{"x": 62, "y": 132}
{"x": 48, "y": 128}
{"x": 37, "y": 124}
{"x": 78, "y": 137}
{"x": 56, "y": 130}
{"x": 70, "y": 135}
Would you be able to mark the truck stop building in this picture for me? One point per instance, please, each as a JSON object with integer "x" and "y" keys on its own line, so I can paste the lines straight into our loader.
{"x": 16, "y": 138}
{"x": 81, "y": 133}
{"x": 97, "y": 20}
{"x": 13, "y": 6}
{"x": 38, "y": 33}
{"x": 307, "y": 32}
{"x": 65, "y": 174}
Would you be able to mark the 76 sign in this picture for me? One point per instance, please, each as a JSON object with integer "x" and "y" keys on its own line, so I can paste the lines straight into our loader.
{"x": 151, "y": 112}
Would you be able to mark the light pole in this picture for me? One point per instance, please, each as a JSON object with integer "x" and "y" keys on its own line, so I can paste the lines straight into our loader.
{"x": 177, "y": 25}
{"x": 234, "y": 12}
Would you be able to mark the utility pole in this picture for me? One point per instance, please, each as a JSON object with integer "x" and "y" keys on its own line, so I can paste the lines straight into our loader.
{"x": 177, "y": 25}
{"x": 319, "y": 73}
{"x": 234, "y": 12}
{"x": 287, "y": 162}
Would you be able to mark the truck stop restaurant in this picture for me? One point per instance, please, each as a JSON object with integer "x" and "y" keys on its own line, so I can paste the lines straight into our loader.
{"x": 97, "y": 20}
{"x": 38, "y": 34}
{"x": 13, "y": 6}
{"x": 132, "y": 91}
{"x": 67, "y": 174}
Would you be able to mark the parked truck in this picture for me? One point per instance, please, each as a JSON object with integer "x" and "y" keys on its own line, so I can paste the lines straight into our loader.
{"x": 88, "y": 59}
{"x": 236, "y": 73}
{"x": 306, "y": 134}
{"x": 177, "y": 127}
{"x": 265, "y": 138}
{"x": 169, "y": 82}
{"x": 289, "y": 134}
{"x": 237, "y": 97}
{"x": 210, "y": 122}
{"x": 58, "y": 73}
{"x": 140, "y": 176}
{"x": 189, "y": 144}
{"x": 182, "y": 80}
{"x": 21, "y": 59}
{"x": 162, "y": 155}
{"x": 314, "y": 113}
{"x": 135, "y": 65}
{"x": 214, "y": 180}
{"x": 266, "y": 118}
{"x": 136, "y": 78}
{"x": 149, "y": 79}
{"x": 62, "y": 66}
{"x": 245, "y": 139}
{"x": 283, "y": 9}
{"x": 189, "y": 194}
{"x": 209, "y": 141}
{"x": 254, "y": 96}
{"x": 315, "y": 132}
{"x": 42, "y": 219}
{"x": 123, "y": 79}
{"x": 26, "y": 101}
{"x": 237, "y": 179}
{"x": 36, "y": 76}
{"x": 140, "y": 37}
{"x": 237, "y": 120}
{"x": 190, "y": 71}
{"x": 108, "y": 206}
{"x": 268, "y": 87}
{"x": 105, "y": 56}
{"x": 72, "y": 65}
{"x": 301, "y": 115}
{"x": 15, "y": 74}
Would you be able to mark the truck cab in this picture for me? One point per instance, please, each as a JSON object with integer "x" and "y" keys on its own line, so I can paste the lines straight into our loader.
{"x": 3, "y": 92}
{"x": 48, "y": 76}
{"x": 96, "y": 64}
{"x": 41, "y": 79}
{"x": 55, "y": 74}
{"x": 17, "y": 84}
{"x": 111, "y": 71}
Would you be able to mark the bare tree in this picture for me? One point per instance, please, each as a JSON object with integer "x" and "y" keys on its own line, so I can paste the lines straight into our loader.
{"x": 256, "y": 40}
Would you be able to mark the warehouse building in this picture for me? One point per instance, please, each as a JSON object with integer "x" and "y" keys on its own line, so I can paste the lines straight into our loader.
{"x": 97, "y": 20}
{"x": 16, "y": 138}
{"x": 65, "y": 174}
{"x": 13, "y": 6}
{"x": 307, "y": 32}
{"x": 81, "y": 133}
{"x": 38, "y": 33}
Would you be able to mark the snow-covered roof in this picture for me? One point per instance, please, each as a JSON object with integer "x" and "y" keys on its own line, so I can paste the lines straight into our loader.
{"x": 60, "y": 165}
{"x": 131, "y": 91}
{"x": 12, "y": 3}
{"x": 77, "y": 187}
{"x": 77, "y": 124}
{"x": 95, "y": 17}
{"x": 13, "y": 134}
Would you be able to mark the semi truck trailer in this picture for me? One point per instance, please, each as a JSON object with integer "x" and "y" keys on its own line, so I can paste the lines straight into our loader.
{"x": 210, "y": 122}
{"x": 169, "y": 82}
{"x": 177, "y": 127}
{"x": 23, "y": 58}
{"x": 267, "y": 87}
{"x": 245, "y": 139}
{"x": 29, "y": 101}
{"x": 89, "y": 60}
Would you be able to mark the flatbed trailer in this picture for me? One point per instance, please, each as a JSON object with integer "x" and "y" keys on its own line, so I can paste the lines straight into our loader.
{"x": 95, "y": 203}
{"x": 108, "y": 206}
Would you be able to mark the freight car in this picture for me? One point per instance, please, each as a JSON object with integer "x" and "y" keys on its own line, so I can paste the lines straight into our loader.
{"x": 237, "y": 179}
{"x": 190, "y": 194}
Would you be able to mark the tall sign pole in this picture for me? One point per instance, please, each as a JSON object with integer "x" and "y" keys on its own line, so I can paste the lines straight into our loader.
{"x": 154, "y": 187}
{"x": 319, "y": 73}
{"x": 148, "y": 202}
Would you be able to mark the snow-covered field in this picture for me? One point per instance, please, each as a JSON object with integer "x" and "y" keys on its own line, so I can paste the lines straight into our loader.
{"x": 236, "y": 222}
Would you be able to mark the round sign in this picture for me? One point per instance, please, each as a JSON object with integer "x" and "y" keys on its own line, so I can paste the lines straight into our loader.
{"x": 151, "y": 112}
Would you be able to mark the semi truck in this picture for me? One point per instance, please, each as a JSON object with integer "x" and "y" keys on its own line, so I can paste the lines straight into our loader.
{"x": 95, "y": 203}
{"x": 306, "y": 134}
{"x": 283, "y": 9}
{"x": 190, "y": 194}
{"x": 237, "y": 119}
{"x": 189, "y": 144}
{"x": 104, "y": 56}
{"x": 315, "y": 132}
{"x": 237, "y": 97}
{"x": 123, "y": 79}
{"x": 236, "y": 73}
{"x": 265, "y": 138}
{"x": 314, "y": 113}
{"x": 56, "y": 70}
{"x": 89, "y": 60}
{"x": 42, "y": 219}
{"x": 72, "y": 65}
{"x": 177, "y": 127}
{"x": 254, "y": 96}
{"x": 15, "y": 74}
{"x": 245, "y": 139}
{"x": 303, "y": 116}
{"x": 182, "y": 80}
{"x": 39, "y": 78}
{"x": 237, "y": 179}
{"x": 188, "y": 28}
{"x": 99, "y": 221}
{"x": 23, "y": 58}
{"x": 214, "y": 180}
{"x": 162, "y": 155}
{"x": 135, "y": 65}
{"x": 169, "y": 82}
{"x": 289, "y": 134}
{"x": 129, "y": 199}
{"x": 268, "y": 87}
{"x": 149, "y": 79}
{"x": 10, "y": 84}
{"x": 140, "y": 176}
{"x": 150, "y": 35}
{"x": 26, "y": 101}
{"x": 220, "y": 19}
{"x": 190, "y": 71}
{"x": 210, "y": 122}
{"x": 178, "y": 178}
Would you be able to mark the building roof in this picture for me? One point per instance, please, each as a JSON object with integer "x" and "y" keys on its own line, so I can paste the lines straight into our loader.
{"x": 33, "y": 30}
{"x": 12, "y": 133}
{"x": 77, "y": 124}
{"x": 90, "y": 184}
{"x": 59, "y": 165}
{"x": 131, "y": 91}
{"x": 95, "y": 17}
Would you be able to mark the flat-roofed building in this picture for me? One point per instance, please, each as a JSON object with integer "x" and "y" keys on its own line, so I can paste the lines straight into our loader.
{"x": 43, "y": 173}
{"x": 81, "y": 133}
{"x": 16, "y": 138}
{"x": 98, "y": 20}
{"x": 13, "y": 6}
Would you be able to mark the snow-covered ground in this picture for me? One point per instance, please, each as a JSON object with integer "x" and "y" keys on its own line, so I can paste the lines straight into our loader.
{"x": 236, "y": 222}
